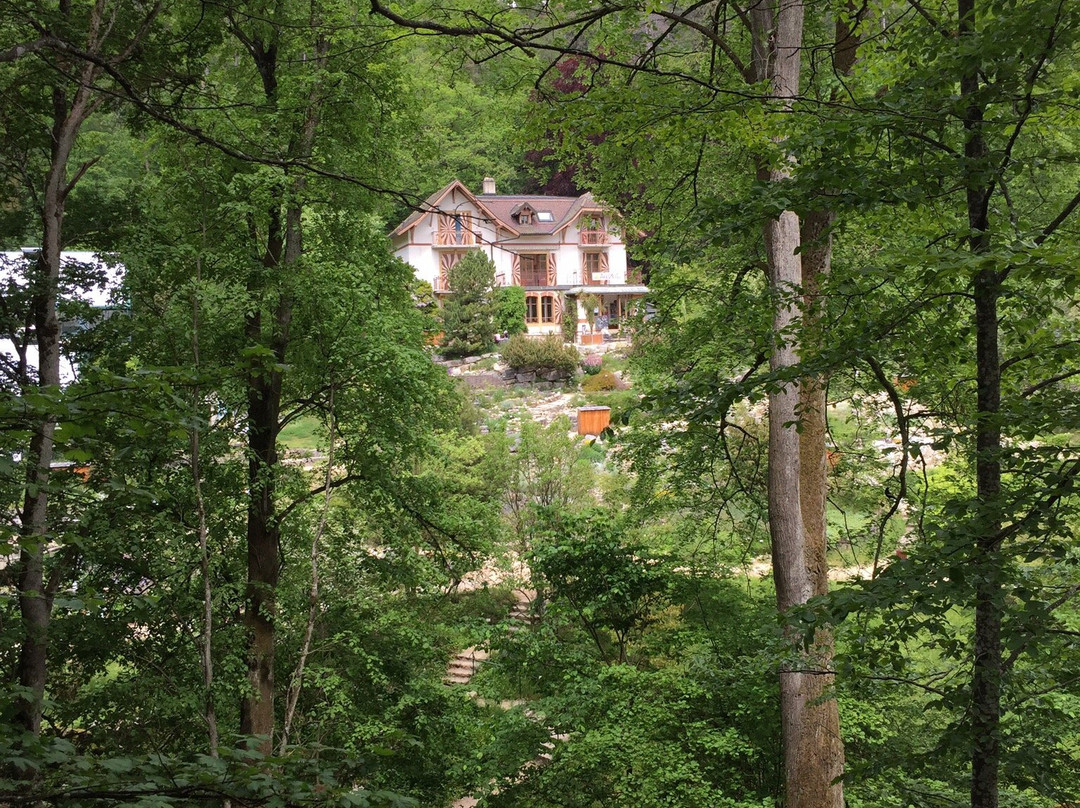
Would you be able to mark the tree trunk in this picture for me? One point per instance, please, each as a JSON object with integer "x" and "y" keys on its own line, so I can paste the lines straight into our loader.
{"x": 821, "y": 758}
{"x": 987, "y": 669}
{"x": 284, "y": 248}
{"x": 813, "y": 468}
{"x": 989, "y": 605}
{"x": 263, "y": 534}
{"x": 813, "y": 756}
{"x": 35, "y": 596}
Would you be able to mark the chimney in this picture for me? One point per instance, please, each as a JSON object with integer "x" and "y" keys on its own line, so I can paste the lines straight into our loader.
{"x": 489, "y": 186}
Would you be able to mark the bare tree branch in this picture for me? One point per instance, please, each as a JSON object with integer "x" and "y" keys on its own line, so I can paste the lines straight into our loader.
{"x": 16, "y": 52}
{"x": 931, "y": 19}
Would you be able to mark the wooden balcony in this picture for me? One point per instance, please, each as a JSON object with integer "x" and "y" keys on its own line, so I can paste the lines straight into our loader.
{"x": 594, "y": 237}
{"x": 535, "y": 278}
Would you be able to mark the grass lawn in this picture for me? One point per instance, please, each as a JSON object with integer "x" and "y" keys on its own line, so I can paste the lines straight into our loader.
{"x": 303, "y": 433}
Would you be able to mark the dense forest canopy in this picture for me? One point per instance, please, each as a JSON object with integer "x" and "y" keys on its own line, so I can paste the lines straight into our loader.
{"x": 281, "y": 531}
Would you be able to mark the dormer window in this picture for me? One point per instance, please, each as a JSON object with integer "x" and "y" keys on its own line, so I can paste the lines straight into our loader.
{"x": 527, "y": 214}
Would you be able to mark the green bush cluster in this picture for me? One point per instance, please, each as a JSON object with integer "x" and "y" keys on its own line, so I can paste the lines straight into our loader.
{"x": 522, "y": 352}
{"x": 604, "y": 380}
{"x": 509, "y": 305}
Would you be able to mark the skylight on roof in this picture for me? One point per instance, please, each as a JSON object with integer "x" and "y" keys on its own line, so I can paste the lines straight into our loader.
{"x": 544, "y": 216}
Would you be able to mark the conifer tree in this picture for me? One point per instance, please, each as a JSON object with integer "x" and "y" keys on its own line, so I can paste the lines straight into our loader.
{"x": 468, "y": 314}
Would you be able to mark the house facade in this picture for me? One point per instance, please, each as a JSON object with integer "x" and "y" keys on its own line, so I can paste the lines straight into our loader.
{"x": 560, "y": 249}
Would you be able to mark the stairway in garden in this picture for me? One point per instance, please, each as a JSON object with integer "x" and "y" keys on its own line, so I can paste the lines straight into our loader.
{"x": 521, "y": 614}
{"x": 464, "y": 666}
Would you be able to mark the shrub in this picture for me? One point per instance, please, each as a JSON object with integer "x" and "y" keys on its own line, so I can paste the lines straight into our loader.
{"x": 591, "y": 364}
{"x": 604, "y": 380}
{"x": 569, "y": 319}
{"x": 509, "y": 305}
{"x": 523, "y": 353}
{"x": 591, "y": 303}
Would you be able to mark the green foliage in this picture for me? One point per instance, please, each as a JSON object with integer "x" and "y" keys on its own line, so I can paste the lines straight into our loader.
{"x": 549, "y": 352}
{"x": 421, "y": 498}
{"x": 692, "y": 724}
{"x": 424, "y": 299}
{"x": 239, "y": 774}
{"x": 469, "y": 313}
{"x": 509, "y": 304}
{"x": 548, "y": 475}
{"x": 465, "y": 120}
{"x": 591, "y": 304}
{"x": 213, "y": 310}
{"x": 569, "y": 322}
{"x": 608, "y": 585}
{"x": 603, "y": 380}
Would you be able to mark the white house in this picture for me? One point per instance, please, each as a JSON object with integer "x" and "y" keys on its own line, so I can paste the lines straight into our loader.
{"x": 86, "y": 277}
{"x": 559, "y": 248}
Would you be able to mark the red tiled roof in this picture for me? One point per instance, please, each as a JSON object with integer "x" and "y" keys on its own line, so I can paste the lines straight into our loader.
{"x": 501, "y": 207}
{"x": 504, "y": 206}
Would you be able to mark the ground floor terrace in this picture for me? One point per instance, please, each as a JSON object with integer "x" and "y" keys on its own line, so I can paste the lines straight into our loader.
{"x": 596, "y": 312}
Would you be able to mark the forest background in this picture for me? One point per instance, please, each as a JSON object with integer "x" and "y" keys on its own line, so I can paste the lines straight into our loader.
{"x": 190, "y": 616}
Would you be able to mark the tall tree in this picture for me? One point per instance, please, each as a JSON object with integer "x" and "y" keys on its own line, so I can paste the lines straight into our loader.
{"x": 822, "y": 754}
{"x": 983, "y": 169}
{"x": 73, "y": 88}
{"x": 813, "y": 757}
{"x": 269, "y": 328}
{"x": 967, "y": 110}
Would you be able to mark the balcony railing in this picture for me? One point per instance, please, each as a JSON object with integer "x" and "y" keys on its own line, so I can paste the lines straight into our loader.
{"x": 534, "y": 277}
{"x": 594, "y": 237}
{"x": 597, "y": 278}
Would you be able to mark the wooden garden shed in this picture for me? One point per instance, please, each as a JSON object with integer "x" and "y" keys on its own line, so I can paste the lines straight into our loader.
{"x": 593, "y": 420}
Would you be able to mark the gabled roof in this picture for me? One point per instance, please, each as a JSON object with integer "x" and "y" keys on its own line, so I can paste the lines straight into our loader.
{"x": 585, "y": 203}
{"x": 502, "y": 209}
{"x": 434, "y": 203}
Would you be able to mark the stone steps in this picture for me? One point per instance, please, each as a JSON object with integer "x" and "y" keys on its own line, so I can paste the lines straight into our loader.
{"x": 464, "y": 665}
